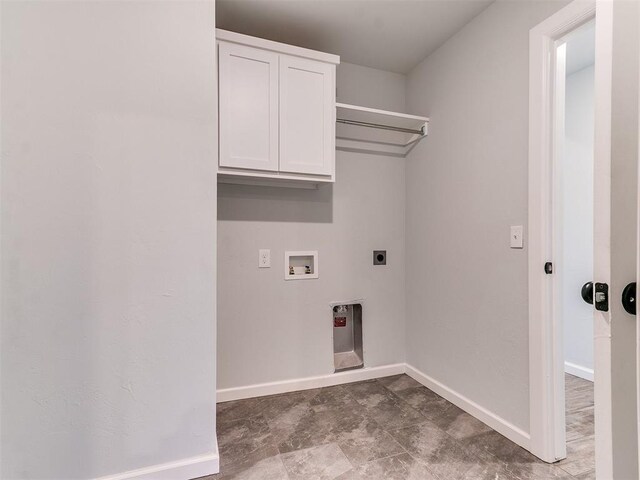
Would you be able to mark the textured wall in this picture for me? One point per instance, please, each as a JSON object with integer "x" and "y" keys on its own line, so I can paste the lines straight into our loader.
{"x": 108, "y": 236}
{"x": 270, "y": 329}
{"x": 467, "y": 307}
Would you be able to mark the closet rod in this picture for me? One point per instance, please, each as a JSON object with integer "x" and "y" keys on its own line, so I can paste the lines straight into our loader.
{"x": 381, "y": 127}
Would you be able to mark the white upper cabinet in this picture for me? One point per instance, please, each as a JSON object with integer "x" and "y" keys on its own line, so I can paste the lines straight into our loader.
{"x": 277, "y": 112}
{"x": 248, "y": 107}
{"x": 307, "y": 116}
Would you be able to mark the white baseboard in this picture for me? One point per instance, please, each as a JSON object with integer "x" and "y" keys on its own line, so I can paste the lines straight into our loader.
{"x": 579, "y": 371}
{"x": 272, "y": 388}
{"x": 193, "y": 467}
{"x": 499, "y": 424}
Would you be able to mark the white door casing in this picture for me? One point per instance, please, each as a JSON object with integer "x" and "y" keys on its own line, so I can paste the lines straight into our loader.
{"x": 638, "y": 273}
{"x": 557, "y": 240}
{"x": 546, "y": 371}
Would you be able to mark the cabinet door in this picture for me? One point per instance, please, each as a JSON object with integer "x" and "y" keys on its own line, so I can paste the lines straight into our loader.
{"x": 307, "y": 116}
{"x": 248, "y": 92}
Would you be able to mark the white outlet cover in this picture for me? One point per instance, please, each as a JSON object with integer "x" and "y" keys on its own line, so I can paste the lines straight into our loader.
{"x": 264, "y": 258}
{"x": 517, "y": 236}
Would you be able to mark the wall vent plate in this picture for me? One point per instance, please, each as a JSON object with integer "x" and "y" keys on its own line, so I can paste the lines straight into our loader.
{"x": 379, "y": 257}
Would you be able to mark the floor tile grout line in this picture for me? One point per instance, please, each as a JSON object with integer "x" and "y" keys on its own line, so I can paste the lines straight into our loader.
{"x": 355, "y": 467}
{"x": 236, "y": 419}
{"x": 470, "y": 452}
{"x": 579, "y": 473}
{"x": 368, "y": 417}
{"x": 249, "y": 417}
{"x": 427, "y": 466}
{"x": 402, "y": 400}
{"x": 365, "y": 407}
{"x": 308, "y": 400}
{"x": 457, "y": 441}
{"x": 286, "y": 471}
{"x": 404, "y": 452}
{"x": 431, "y": 421}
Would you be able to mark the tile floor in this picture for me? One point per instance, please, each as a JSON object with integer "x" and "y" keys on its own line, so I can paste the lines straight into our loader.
{"x": 580, "y": 461}
{"x": 389, "y": 428}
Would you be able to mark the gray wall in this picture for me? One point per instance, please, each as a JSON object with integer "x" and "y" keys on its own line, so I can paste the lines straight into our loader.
{"x": 270, "y": 329}
{"x": 467, "y": 310}
{"x": 108, "y": 236}
{"x": 368, "y": 87}
{"x": 576, "y": 175}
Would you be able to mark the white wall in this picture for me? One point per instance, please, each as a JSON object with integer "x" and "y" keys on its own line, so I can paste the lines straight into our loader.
{"x": 467, "y": 306}
{"x": 576, "y": 174}
{"x": 108, "y": 236}
{"x": 270, "y": 329}
{"x": 369, "y": 87}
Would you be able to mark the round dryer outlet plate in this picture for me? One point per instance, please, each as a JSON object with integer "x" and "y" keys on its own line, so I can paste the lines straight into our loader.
{"x": 379, "y": 257}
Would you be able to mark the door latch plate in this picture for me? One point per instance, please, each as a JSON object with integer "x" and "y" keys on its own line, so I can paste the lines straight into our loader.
{"x": 601, "y": 297}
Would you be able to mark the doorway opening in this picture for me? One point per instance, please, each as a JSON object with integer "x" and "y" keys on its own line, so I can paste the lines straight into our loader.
{"x": 552, "y": 283}
{"x": 573, "y": 240}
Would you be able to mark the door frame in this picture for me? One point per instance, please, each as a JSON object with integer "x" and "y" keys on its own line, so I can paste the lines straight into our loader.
{"x": 638, "y": 278}
{"x": 546, "y": 367}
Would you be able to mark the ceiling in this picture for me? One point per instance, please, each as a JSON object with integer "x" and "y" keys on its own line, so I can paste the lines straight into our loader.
{"x": 581, "y": 48}
{"x": 392, "y": 35}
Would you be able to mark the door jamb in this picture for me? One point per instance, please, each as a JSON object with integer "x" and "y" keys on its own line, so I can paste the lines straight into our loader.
{"x": 638, "y": 283}
{"x": 547, "y": 428}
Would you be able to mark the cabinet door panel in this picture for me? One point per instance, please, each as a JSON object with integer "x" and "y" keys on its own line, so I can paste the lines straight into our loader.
{"x": 307, "y": 116}
{"x": 248, "y": 83}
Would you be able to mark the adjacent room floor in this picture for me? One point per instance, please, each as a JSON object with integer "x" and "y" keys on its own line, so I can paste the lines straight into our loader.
{"x": 581, "y": 454}
{"x": 389, "y": 428}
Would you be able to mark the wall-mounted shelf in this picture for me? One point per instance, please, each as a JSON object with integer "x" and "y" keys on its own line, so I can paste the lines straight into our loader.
{"x": 271, "y": 179}
{"x": 376, "y": 131}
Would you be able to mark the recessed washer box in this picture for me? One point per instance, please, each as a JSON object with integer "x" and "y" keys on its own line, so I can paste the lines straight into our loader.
{"x": 301, "y": 265}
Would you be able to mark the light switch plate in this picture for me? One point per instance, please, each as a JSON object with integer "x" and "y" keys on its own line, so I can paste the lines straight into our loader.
{"x": 517, "y": 236}
{"x": 264, "y": 258}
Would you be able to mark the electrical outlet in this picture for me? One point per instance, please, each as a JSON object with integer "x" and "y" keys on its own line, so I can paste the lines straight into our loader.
{"x": 264, "y": 258}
